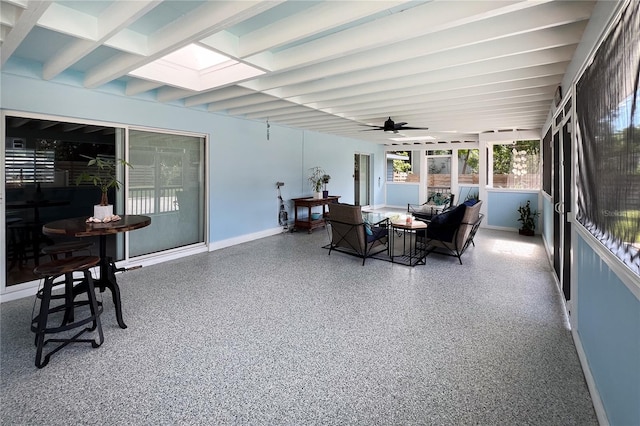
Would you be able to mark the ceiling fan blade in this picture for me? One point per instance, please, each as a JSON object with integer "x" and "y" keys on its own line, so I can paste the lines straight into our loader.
{"x": 414, "y": 128}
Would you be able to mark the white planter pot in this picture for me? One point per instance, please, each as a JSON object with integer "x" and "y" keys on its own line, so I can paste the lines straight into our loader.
{"x": 100, "y": 212}
{"x": 317, "y": 195}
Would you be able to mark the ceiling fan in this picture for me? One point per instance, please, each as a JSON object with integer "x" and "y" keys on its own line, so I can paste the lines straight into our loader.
{"x": 390, "y": 126}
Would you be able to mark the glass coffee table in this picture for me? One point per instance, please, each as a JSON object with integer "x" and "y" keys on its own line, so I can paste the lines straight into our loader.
{"x": 404, "y": 246}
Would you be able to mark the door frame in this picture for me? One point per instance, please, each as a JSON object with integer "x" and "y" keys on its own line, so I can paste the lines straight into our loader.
{"x": 563, "y": 182}
{"x": 357, "y": 177}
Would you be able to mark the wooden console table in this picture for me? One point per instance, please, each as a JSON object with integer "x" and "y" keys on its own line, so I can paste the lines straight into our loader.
{"x": 308, "y": 202}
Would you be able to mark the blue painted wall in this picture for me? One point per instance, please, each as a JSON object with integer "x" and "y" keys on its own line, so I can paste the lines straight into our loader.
{"x": 244, "y": 166}
{"x": 609, "y": 329}
{"x": 502, "y": 207}
{"x": 401, "y": 194}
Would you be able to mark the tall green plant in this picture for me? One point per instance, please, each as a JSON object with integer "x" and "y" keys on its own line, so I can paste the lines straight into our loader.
{"x": 104, "y": 177}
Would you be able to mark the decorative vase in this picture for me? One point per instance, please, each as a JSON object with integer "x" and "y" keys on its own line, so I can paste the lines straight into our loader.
{"x": 317, "y": 195}
{"x": 325, "y": 194}
{"x": 100, "y": 212}
{"x": 527, "y": 232}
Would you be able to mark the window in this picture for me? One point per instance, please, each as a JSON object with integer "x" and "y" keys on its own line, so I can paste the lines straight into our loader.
{"x": 515, "y": 165}
{"x": 608, "y": 141}
{"x": 439, "y": 169}
{"x": 468, "y": 166}
{"x": 400, "y": 167}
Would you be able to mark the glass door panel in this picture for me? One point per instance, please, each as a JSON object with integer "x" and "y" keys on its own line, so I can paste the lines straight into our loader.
{"x": 166, "y": 183}
{"x": 362, "y": 182}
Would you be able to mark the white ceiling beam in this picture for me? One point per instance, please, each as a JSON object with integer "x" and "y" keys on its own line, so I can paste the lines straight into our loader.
{"x": 170, "y": 93}
{"x": 302, "y": 111}
{"x": 209, "y": 18}
{"x": 25, "y": 23}
{"x": 252, "y": 99}
{"x": 217, "y": 95}
{"x": 112, "y": 20}
{"x": 9, "y": 14}
{"x": 524, "y": 60}
{"x": 309, "y": 22}
{"x": 428, "y": 111}
{"x": 444, "y": 85}
{"x": 135, "y": 86}
{"x": 288, "y": 113}
{"x": 350, "y": 71}
{"x": 522, "y": 21}
{"x": 428, "y": 18}
{"x": 269, "y": 106}
{"x": 70, "y": 21}
{"x": 320, "y": 118}
{"x": 466, "y": 93}
{"x": 129, "y": 41}
{"x": 223, "y": 42}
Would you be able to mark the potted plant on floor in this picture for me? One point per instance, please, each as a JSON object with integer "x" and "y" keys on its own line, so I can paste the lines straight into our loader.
{"x": 102, "y": 174}
{"x": 528, "y": 219}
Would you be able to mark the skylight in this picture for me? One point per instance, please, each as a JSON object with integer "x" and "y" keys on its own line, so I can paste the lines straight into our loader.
{"x": 196, "y": 68}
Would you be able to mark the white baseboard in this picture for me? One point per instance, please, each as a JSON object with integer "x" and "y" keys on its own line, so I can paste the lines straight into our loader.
{"x": 217, "y": 245}
{"x": 591, "y": 384}
{"x": 27, "y": 289}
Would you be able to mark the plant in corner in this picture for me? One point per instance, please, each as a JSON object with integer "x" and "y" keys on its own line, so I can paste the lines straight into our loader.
{"x": 103, "y": 178}
{"x": 528, "y": 219}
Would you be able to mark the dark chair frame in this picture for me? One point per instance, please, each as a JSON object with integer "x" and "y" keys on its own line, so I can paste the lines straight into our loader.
{"x": 457, "y": 244}
{"x": 350, "y": 236}
{"x": 418, "y": 210}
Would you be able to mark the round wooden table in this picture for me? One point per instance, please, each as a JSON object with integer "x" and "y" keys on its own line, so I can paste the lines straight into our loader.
{"x": 78, "y": 227}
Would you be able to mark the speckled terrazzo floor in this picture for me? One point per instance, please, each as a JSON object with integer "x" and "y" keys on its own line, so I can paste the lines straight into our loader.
{"x": 276, "y": 332}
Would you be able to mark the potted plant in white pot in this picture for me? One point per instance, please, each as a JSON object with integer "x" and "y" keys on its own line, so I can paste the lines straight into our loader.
{"x": 315, "y": 180}
{"x": 104, "y": 178}
{"x": 528, "y": 219}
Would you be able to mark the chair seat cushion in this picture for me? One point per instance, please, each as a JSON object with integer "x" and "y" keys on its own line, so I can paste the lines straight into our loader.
{"x": 377, "y": 232}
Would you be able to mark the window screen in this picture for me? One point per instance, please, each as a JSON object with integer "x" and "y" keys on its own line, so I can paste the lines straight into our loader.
{"x": 608, "y": 184}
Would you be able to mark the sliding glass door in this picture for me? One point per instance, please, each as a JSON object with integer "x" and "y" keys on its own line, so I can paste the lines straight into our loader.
{"x": 166, "y": 182}
{"x": 43, "y": 157}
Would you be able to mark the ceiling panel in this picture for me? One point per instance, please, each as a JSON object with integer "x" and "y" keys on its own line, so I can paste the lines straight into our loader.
{"x": 331, "y": 66}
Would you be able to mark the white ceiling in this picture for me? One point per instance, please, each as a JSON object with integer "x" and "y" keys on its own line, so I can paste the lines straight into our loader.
{"x": 459, "y": 68}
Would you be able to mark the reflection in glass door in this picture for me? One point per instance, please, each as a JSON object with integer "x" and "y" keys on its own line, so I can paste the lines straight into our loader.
{"x": 166, "y": 183}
